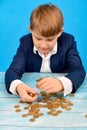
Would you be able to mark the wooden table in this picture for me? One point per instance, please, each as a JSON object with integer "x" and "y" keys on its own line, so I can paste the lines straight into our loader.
{"x": 67, "y": 120}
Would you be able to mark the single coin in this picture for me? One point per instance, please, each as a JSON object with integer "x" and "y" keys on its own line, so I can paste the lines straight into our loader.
{"x": 49, "y": 112}
{"x": 72, "y": 95}
{"x": 16, "y": 106}
{"x": 39, "y": 79}
{"x": 43, "y": 93}
{"x": 26, "y": 108}
{"x": 18, "y": 110}
{"x": 32, "y": 120}
{"x": 32, "y": 95}
{"x": 86, "y": 116}
{"x": 68, "y": 108}
{"x": 21, "y": 101}
{"x": 55, "y": 114}
{"x": 25, "y": 115}
{"x": 36, "y": 115}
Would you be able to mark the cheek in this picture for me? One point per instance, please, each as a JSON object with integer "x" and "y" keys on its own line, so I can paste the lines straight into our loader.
{"x": 35, "y": 42}
{"x": 51, "y": 45}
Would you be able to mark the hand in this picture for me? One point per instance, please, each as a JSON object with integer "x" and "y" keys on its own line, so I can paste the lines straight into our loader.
{"x": 25, "y": 93}
{"x": 50, "y": 85}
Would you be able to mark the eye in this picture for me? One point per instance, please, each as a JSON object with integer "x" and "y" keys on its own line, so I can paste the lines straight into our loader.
{"x": 50, "y": 39}
{"x": 37, "y": 38}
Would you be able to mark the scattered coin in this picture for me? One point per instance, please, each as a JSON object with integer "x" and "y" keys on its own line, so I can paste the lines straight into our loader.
{"x": 53, "y": 102}
{"x": 72, "y": 95}
{"x": 26, "y": 108}
{"x": 18, "y": 110}
{"x": 86, "y": 116}
{"x": 39, "y": 79}
{"x": 43, "y": 93}
{"x": 68, "y": 108}
{"x": 30, "y": 94}
{"x": 33, "y": 119}
{"x": 50, "y": 101}
{"x": 16, "y": 106}
{"x": 24, "y": 115}
{"x": 21, "y": 101}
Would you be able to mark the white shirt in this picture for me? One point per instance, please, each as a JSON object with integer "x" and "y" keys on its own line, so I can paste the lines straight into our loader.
{"x": 45, "y": 67}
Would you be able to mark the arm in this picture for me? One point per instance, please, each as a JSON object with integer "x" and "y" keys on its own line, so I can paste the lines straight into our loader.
{"x": 17, "y": 67}
{"x": 14, "y": 73}
{"x": 76, "y": 71}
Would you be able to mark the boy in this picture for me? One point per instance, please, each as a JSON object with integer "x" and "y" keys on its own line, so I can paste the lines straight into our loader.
{"x": 46, "y": 49}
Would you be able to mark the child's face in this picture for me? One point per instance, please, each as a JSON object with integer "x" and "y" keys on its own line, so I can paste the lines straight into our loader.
{"x": 44, "y": 45}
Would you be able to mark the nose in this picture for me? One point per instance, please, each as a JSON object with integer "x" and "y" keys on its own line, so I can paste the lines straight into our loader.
{"x": 43, "y": 44}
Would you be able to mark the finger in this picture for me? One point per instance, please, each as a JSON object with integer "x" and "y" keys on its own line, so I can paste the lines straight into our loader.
{"x": 42, "y": 82}
{"x": 31, "y": 99}
{"x": 30, "y": 90}
{"x": 51, "y": 90}
{"x": 28, "y": 98}
{"x": 46, "y": 88}
{"x": 44, "y": 85}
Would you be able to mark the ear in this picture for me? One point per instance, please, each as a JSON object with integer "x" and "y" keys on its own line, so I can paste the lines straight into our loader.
{"x": 29, "y": 28}
{"x": 61, "y": 31}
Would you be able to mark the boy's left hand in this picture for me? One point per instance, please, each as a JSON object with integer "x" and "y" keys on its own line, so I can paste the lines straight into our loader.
{"x": 50, "y": 85}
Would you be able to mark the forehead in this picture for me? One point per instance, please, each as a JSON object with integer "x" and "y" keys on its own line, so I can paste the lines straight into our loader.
{"x": 41, "y": 37}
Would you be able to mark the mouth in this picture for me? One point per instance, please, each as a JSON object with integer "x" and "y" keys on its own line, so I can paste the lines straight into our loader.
{"x": 44, "y": 49}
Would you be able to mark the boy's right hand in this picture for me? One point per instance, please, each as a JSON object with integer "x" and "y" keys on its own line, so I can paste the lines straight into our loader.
{"x": 25, "y": 93}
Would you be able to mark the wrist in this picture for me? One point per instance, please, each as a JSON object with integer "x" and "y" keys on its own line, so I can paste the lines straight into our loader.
{"x": 60, "y": 85}
{"x": 18, "y": 88}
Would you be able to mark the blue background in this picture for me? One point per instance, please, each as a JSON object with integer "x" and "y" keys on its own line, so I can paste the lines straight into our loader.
{"x": 14, "y": 20}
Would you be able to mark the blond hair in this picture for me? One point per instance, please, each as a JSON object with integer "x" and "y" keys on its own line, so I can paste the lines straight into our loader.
{"x": 46, "y": 20}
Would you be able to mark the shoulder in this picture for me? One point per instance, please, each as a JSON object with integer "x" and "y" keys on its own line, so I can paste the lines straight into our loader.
{"x": 66, "y": 36}
{"x": 27, "y": 37}
{"x": 66, "y": 40}
{"x": 26, "y": 42}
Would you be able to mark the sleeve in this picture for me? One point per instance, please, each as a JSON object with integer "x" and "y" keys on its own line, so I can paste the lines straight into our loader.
{"x": 17, "y": 67}
{"x": 76, "y": 70}
{"x": 13, "y": 86}
{"x": 67, "y": 84}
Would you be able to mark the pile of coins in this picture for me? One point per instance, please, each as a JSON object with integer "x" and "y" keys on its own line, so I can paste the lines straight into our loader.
{"x": 53, "y": 103}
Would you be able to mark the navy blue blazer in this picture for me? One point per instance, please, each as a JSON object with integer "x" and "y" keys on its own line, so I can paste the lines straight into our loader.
{"x": 66, "y": 60}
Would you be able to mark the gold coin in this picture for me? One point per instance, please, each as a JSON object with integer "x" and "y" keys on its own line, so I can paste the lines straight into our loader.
{"x": 32, "y": 120}
{"x": 18, "y": 110}
{"x": 16, "y": 106}
{"x": 52, "y": 94}
{"x": 72, "y": 95}
{"x": 64, "y": 105}
{"x": 86, "y": 116}
{"x": 39, "y": 79}
{"x": 43, "y": 93}
{"x": 70, "y": 104}
{"x": 68, "y": 108}
{"x": 30, "y": 94}
{"x": 25, "y": 115}
{"x": 59, "y": 111}
{"x": 55, "y": 114}
{"x": 36, "y": 115}
{"x": 26, "y": 108}
{"x": 49, "y": 113}
{"x": 21, "y": 101}
{"x": 40, "y": 114}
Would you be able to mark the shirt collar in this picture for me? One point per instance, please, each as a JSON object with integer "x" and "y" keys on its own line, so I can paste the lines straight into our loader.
{"x": 53, "y": 51}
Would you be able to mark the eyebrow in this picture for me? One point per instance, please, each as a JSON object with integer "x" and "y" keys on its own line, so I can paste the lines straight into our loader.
{"x": 48, "y": 38}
